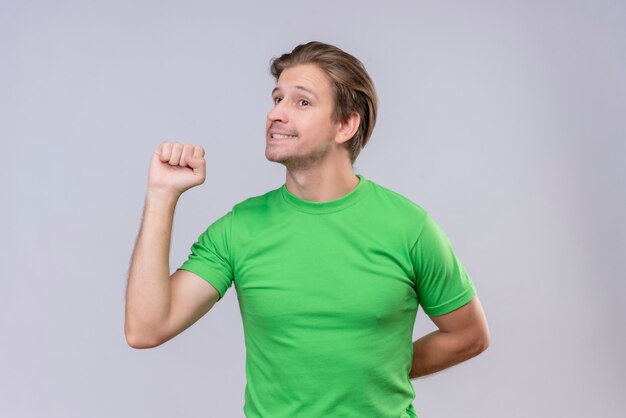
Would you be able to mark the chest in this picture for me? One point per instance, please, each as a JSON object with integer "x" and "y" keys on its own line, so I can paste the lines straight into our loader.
{"x": 336, "y": 274}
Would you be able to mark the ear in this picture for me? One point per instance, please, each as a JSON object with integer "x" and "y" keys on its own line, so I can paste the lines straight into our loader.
{"x": 348, "y": 128}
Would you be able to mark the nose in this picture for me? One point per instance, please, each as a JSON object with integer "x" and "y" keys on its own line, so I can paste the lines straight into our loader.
{"x": 277, "y": 113}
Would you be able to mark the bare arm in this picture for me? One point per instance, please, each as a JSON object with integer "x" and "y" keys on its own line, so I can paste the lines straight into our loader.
{"x": 159, "y": 307}
{"x": 462, "y": 334}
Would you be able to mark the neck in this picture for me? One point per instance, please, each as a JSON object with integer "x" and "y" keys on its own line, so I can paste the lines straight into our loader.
{"x": 322, "y": 185}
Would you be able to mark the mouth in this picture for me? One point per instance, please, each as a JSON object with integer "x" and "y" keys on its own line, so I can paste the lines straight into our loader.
{"x": 281, "y": 137}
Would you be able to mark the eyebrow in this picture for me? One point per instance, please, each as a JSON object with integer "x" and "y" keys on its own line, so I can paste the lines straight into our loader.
{"x": 299, "y": 88}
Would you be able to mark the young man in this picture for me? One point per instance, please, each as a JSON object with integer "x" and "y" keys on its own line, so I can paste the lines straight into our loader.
{"x": 329, "y": 268}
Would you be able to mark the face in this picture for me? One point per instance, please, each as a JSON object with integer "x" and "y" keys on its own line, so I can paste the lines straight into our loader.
{"x": 299, "y": 131}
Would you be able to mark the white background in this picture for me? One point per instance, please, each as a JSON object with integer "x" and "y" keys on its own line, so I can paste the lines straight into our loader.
{"x": 504, "y": 119}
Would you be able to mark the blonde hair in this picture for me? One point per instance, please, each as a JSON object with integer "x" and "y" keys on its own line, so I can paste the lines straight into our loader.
{"x": 352, "y": 87}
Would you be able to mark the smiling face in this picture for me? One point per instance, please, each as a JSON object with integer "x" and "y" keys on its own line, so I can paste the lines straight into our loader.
{"x": 300, "y": 132}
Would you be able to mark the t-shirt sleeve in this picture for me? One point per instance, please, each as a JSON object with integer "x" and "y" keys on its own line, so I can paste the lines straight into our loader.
{"x": 441, "y": 282}
{"x": 210, "y": 256}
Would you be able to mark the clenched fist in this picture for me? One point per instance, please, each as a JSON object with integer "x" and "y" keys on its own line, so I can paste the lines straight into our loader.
{"x": 176, "y": 167}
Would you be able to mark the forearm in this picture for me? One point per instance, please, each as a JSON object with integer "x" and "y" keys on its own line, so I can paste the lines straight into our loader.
{"x": 439, "y": 350}
{"x": 148, "y": 288}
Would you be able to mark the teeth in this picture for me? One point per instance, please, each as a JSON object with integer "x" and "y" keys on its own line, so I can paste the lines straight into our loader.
{"x": 278, "y": 136}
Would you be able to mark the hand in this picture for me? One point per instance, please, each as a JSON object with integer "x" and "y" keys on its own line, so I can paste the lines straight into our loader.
{"x": 176, "y": 168}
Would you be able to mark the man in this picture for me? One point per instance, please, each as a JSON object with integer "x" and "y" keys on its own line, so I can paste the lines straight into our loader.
{"x": 329, "y": 268}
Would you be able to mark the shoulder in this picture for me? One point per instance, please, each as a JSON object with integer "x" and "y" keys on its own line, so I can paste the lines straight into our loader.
{"x": 256, "y": 204}
{"x": 397, "y": 206}
{"x": 249, "y": 206}
{"x": 255, "y": 211}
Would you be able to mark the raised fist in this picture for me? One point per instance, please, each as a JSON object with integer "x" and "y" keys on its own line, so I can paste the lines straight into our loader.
{"x": 176, "y": 167}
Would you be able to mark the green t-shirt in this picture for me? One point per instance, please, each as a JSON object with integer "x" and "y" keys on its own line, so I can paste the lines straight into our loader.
{"x": 328, "y": 294}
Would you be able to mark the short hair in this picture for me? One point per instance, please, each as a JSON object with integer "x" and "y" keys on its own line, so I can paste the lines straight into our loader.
{"x": 352, "y": 87}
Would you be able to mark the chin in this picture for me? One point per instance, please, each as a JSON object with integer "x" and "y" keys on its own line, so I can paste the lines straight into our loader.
{"x": 274, "y": 158}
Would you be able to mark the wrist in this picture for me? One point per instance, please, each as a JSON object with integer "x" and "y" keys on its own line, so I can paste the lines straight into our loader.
{"x": 161, "y": 196}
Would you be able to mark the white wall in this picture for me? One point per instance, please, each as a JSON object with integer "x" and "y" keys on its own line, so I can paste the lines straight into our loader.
{"x": 504, "y": 119}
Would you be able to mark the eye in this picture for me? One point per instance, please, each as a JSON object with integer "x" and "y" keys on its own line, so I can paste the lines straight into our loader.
{"x": 276, "y": 100}
{"x": 304, "y": 102}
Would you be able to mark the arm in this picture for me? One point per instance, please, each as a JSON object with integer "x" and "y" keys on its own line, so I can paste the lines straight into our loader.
{"x": 462, "y": 334}
{"x": 159, "y": 307}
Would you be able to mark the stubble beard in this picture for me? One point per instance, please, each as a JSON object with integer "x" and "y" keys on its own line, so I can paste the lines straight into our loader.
{"x": 300, "y": 162}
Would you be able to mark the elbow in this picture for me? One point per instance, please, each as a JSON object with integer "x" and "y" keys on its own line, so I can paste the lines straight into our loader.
{"x": 481, "y": 342}
{"x": 482, "y": 345}
{"x": 140, "y": 340}
{"x": 140, "y": 343}
{"x": 474, "y": 342}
